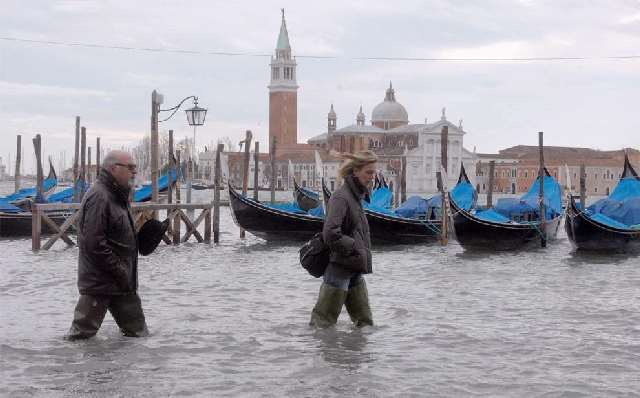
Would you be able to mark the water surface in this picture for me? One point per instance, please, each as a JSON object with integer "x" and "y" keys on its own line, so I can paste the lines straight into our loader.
{"x": 231, "y": 320}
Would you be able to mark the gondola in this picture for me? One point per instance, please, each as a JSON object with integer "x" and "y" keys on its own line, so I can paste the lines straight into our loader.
{"x": 594, "y": 231}
{"x": 144, "y": 193}
{"x": 386, "y": 227}
{"x": 23, "y": 197}
{"x": 15, "y": 209}
{"x": 270, "y": 222}
{"x": 19, "y": 224}
{"x": 491, "y": 230}
{"x": 306, "y": 198}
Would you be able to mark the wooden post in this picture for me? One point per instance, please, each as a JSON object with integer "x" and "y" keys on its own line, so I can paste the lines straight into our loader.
{"x": 444, "y": 147}
{"x": 245, "y": 166}
{"x": 18, "y": 160}
{"x": 190, "y": 171}
{"x": 444, "y": 160}
{"x": 89, "y": 165}
{"x": 245, "y": 169}
{"x": 274, "y": 174}
{"x": 492, "y": 167}
{"x": 207, "y": 225}
{"x": 396, "y": 196}
{"x": 76, "y": 162}
{"x": 37, "y": 146}
{"x": 155, "y": 109}
{"x": 256, "y": 161}
{"x": 97, "y": 157}
{"x": 171, "y": 169}
{"x": 541, "y": 175}
{"x": 216, "y": 194}
{"x": 83, "y": 153}
{"x": 583, "y": 187}
{"x": 403, "y": 179}
{"x": 178, "y": 173}
{"x": 36, "y": 226}
{"x": 176, "y": 218}
{"x": 176, "y": 227}
{"x": 187, "y": 177}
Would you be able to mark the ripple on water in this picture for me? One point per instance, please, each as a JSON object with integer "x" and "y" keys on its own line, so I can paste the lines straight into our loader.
{"x": 232, "y": 320}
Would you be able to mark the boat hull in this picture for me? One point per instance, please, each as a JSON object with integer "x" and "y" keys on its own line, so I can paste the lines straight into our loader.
{"x": 396, "y": 230}
{"x": 269, "y": 223}
{"x": 19, "y": 224}
{"x": 589, "y": 235}
{"x": 472, "y": 232}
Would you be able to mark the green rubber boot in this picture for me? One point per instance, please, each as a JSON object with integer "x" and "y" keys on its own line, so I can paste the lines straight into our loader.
{"x": 327, "y": 309}
{"x": 357, "y": 304}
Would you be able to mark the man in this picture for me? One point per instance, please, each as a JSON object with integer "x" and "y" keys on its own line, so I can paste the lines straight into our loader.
{"x": 108, "y": 259}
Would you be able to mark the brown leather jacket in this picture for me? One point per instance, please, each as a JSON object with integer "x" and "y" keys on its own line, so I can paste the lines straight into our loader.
{"x": 346, "y": 229}
{"x": 108, "y": 259}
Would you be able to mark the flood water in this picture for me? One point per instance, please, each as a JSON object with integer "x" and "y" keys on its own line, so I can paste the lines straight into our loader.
{"x": 231, "y": 320}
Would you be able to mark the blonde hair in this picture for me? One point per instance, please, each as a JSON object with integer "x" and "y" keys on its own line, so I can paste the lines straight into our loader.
{"x": 355, "y": 161}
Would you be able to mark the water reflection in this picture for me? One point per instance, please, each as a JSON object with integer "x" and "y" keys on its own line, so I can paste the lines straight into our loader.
{"x": 344, "y": 349}
{"x": 578, "y": 258}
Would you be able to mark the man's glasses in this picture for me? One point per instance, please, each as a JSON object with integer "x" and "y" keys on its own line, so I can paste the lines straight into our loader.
{"x": 132, "y": 167}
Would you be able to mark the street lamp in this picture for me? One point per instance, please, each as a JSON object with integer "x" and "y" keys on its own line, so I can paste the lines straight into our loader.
{"x": 195, "y": 117}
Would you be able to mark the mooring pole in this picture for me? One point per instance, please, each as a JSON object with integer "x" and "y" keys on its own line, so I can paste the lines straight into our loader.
{"x": 273, "y": 170}
{"x": 256, "y": 161}
{"x": 155, "y": 109}
{"x": 89, "y": 174}
{"x": 492, "y": 167}
{"x": 245, "y": 168}
{"x": 37, "y": 146}
{"x": 97, "y": 157}
{"x": 403, "y": 179}
{"x": 83, "y": 160}
{"x": 171, "y": 169}
{"x": 216, "y": 194}
{"x": 541, "y": 175}
{"x": 583, "y": 187}
{"x": 76, "y": 163}
{"x": 444, "y": 141}
{"x": 18, "y": 160}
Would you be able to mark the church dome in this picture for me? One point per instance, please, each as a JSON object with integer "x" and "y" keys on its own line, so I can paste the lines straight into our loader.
{"x": 389, "y": 110}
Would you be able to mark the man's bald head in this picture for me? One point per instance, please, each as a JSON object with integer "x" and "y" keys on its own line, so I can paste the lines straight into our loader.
{"x": 114, "y": 157}
{"x": 121, "y": 166}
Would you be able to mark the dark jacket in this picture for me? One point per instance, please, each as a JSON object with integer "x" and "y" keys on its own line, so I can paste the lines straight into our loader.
{"x": 108, "y": 260}
{"x": 346, "y": 229}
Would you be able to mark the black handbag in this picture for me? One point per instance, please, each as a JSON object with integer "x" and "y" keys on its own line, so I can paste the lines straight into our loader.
{"x": 314, "y": 256}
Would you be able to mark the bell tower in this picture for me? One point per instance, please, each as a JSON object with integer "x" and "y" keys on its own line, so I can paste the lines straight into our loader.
{"x": 283, "y": 92}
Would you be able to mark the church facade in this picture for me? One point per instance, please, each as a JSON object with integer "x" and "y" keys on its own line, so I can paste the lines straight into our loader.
{"x": 391, "y": 137}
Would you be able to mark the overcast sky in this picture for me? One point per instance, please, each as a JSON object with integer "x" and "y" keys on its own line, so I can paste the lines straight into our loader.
{"x": 591, "y": 102}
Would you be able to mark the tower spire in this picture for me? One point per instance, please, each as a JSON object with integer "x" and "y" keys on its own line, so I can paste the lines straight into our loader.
{"x": 283, "y": 37}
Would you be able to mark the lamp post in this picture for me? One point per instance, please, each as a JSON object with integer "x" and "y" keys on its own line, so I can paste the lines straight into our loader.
{"x": 195, "y": 117}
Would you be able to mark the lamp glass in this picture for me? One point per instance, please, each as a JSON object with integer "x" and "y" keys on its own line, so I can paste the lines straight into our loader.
{"x": 196, "y": 116}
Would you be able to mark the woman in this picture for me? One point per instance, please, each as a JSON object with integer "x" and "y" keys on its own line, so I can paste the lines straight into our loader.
{"x": 346, "y": 232}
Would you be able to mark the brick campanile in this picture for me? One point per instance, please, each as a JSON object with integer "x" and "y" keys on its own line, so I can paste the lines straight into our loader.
{"x": 283, "y": 93}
